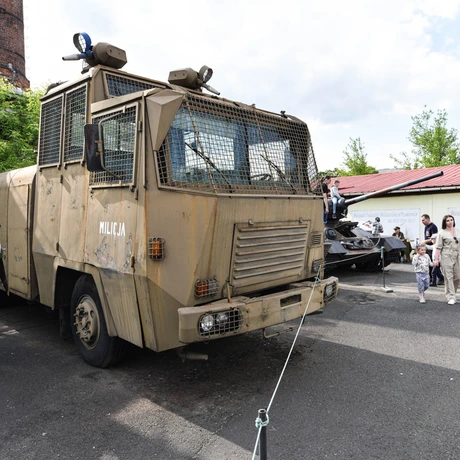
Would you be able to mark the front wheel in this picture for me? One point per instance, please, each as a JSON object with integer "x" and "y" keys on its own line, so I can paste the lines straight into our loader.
{"x": 89, "y": 328}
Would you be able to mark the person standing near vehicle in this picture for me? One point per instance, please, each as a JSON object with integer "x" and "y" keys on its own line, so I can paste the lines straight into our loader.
{"x": 405, "y": 253}
{"x": 437, "y": 278}
{"x": 325, "y": 189}
{"x": 447, "y": 253}
{"x": 377, "y": 227}
{"x": 430, "y": 230}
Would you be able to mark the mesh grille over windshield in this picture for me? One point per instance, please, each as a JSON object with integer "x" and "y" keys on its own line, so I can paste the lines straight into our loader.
{"x": 223, "y": 147}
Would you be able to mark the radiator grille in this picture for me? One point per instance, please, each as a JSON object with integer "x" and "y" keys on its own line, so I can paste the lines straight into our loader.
{"x": 268, "y": 253}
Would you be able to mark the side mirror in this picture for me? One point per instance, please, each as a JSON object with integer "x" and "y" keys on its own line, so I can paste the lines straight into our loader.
{"x": 93, "y": 155}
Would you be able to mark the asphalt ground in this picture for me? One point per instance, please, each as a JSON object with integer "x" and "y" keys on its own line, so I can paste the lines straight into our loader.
{"x": 376, "y": 376}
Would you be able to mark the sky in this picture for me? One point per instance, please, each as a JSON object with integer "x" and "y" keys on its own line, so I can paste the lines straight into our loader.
{"x": 348, "y": 68}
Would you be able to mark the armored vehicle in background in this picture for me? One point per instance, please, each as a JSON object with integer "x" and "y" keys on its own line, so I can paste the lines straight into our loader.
{"x": 347, "y": 244}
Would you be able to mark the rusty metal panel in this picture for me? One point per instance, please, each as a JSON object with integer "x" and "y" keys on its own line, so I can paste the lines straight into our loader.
{"x": 47, "y": 223}
{"x": 73, "y": 213}
{"x": 120, "y": 292}
{"x": 4, "y": 216}
{"x": 110, "y": 246}
{"x": 18, "y": 240}
{"x": 16, "y": 188}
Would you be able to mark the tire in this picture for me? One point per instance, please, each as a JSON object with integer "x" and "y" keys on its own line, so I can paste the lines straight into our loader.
{"x": 89, "y": 329}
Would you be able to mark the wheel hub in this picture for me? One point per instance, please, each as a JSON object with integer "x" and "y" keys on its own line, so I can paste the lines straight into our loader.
{"x": 87, "y": 322}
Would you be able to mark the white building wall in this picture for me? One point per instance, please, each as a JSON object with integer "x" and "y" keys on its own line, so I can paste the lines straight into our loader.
{"x": 406, "y": 210}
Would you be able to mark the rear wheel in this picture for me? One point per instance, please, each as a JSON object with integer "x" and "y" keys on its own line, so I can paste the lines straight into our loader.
{"x": 89, "y": 328}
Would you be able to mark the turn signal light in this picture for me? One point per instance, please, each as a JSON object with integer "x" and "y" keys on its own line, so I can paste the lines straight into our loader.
{"x": 206, "y": 288}
{"x": 156, "y": 248}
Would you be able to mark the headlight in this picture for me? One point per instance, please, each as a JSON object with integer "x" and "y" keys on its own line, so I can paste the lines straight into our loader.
{"x": 207, "y": 323}
{"x": 221, "y": 318}
{"x": 329, "y": 290}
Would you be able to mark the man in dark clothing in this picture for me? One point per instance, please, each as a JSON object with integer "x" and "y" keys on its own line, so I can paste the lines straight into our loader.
{"x": 437, "y": 278}
{"x": 324, "y": 187}
{"x": 430, "y": 230}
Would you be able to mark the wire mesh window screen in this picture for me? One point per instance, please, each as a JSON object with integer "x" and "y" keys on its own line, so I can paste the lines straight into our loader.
{"x": 75, "y": 116}
{"x": 119, "y": 86}
{"x": 119, "y": 140}
{"x": 220, "y": 147}
{"x": 50, "y": 132}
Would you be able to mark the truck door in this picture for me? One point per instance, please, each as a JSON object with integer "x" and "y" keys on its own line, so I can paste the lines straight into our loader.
{"x": 111, "y": 229}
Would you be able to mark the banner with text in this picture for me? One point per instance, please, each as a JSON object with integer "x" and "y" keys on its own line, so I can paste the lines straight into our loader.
{"x": 407, "y": 219}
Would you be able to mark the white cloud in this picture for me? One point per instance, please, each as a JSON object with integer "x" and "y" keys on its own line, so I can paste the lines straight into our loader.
{"x": 348, "y": 68}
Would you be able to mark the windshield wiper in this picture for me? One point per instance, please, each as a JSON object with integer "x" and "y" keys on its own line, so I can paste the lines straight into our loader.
{"x": 279, "y": 171}
{"x": 210, "y": 163}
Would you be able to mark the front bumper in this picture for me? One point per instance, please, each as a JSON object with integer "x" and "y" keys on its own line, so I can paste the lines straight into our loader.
{"x": 251, "y": 313}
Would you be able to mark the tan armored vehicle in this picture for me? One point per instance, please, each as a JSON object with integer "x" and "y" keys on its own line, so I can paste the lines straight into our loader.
{"x": 160, "y": 215}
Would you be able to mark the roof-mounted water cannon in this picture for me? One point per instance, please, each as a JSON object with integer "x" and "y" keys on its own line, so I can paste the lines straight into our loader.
{"x": 101, "y": 53}
{"x": 189, "y": 78}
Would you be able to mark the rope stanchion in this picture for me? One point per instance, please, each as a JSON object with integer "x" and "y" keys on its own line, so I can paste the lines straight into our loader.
{"x": 263, "y": 419}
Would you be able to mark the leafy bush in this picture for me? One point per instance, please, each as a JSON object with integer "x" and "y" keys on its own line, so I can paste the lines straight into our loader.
{"x": 19, "y": 126}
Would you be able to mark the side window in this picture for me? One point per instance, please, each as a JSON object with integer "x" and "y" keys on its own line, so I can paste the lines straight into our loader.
{"x": 75, "y": 117}
{"x": 50, "y": 132}
{"x": 119, "y": 140}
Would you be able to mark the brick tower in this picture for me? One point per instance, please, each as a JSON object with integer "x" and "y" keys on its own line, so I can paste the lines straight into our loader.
{"x": 12, "y": 61}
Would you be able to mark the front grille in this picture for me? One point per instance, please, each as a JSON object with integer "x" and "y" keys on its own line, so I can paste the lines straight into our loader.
{"x": 263, "y": 254}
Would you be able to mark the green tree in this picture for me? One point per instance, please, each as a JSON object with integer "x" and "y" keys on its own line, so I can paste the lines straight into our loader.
{"x": 433, "y": 143}
{"x": 19, "y": 125}
{"x": 355, "y": 163}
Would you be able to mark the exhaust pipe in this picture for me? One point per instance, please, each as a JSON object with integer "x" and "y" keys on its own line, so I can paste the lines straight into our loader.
{"x": 184, "y": 354}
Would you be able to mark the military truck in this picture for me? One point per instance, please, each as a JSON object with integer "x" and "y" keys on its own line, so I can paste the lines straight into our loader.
{"x": 347, "y": 244}
{"x": 161, "y": 215}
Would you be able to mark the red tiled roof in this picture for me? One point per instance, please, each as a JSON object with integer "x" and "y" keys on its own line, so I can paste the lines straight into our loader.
{"x": 357, "y": 185}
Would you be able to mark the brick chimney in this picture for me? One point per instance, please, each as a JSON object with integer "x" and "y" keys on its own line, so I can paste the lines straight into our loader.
{"x": 12, "y": 60}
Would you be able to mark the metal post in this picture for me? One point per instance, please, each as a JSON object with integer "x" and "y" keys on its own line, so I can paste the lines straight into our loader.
{"x": 383, "y": 265}
{"x": 382, "y": 256}
{"x": 263, "y": 435}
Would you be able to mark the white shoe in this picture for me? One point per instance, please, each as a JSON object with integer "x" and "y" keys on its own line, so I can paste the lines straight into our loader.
{"x": 451, "y": 302}
{"x": 422, "y": 300}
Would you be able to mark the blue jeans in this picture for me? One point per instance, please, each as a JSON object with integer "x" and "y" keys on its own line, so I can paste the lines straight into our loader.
{"x": 334, "y": 204}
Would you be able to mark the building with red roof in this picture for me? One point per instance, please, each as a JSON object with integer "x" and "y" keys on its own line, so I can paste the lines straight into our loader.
{"x": 404, "y": 207}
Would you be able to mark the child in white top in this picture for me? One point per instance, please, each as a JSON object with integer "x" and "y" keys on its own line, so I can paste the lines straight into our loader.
{"x": 335, "y": 197}
{"x": 422, "y": 263}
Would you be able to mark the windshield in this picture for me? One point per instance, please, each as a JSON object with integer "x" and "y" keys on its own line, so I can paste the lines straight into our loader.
{"x": 238, "y": 153}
